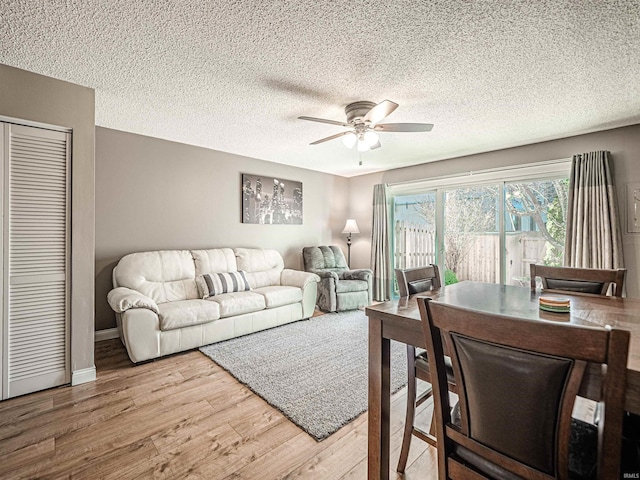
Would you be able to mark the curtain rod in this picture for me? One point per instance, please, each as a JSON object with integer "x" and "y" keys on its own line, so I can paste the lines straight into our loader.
{"x": 478, "y": 172}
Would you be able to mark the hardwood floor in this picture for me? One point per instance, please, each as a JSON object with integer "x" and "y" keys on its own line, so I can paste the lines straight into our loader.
{"x": 180, "y": 417}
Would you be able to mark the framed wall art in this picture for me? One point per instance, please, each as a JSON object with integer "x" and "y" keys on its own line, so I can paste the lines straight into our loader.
{"x": 267, "y": 200}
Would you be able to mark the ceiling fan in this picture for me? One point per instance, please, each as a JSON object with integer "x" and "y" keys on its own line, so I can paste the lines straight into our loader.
{"x": 363, "y": 120}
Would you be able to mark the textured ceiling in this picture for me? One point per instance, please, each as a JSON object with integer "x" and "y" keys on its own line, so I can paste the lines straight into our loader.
{"x": 235, "y": 75}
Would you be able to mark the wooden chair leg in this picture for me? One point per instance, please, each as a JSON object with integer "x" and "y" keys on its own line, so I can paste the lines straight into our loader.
{"x": 432, "y": 427}
{"x": 411, "y": 408}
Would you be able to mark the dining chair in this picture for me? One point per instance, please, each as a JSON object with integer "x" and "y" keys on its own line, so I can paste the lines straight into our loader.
{"x": 579, "y": 280}
{"x": 412, "y": 281}
{"x": 417, "y": 279}
{"x": 517, "y": 381}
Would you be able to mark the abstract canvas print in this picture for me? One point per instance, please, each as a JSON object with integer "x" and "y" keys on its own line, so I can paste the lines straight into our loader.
{"x": 268, "y": 200}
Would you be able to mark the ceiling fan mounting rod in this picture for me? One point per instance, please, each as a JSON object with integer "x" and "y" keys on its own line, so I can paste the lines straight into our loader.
{"x": 357, "y": 110}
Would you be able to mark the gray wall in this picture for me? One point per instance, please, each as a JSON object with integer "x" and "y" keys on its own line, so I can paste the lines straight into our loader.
{"x": 155, "y": 194}
{"x": 29, "y": 96}
{"x": 623, "y": 143}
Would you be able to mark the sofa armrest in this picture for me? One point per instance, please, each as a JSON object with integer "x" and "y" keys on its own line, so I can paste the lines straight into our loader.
{"x": 140, "y": 333}
{"x": 122, "y": 299}
{"x": 308, "y": 283}
{"x": 297, "y": 278}
{"x": 360, "y": 274}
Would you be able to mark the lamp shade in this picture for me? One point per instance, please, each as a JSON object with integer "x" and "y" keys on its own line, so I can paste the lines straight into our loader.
{"x": 371, "y": 138}
{"x": 363, "y": 146}
{"x": 349, "y": 140}
{"x": 351, "y": 226}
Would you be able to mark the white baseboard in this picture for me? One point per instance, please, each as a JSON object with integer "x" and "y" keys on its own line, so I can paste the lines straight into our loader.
{"x": 83, "y": 376}
{"x": 106, "y": 334}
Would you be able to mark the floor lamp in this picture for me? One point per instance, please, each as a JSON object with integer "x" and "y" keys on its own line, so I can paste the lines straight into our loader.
{"x": 350, "y": 227}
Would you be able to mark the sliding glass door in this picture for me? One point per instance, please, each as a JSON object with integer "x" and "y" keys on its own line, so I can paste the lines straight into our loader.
{"x": 471, "y": 234}
{"x": 486, "y": 232}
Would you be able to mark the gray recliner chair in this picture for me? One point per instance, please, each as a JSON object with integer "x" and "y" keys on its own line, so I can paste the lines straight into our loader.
{"x": 340, "y": 288}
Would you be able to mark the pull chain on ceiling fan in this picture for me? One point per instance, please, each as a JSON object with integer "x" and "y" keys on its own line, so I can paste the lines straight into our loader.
{"x": 363, "y": 118}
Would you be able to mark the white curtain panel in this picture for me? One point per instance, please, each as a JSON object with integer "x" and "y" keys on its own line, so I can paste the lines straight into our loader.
{"x": 380, "y": 251}
{"x": 593, "y": 237}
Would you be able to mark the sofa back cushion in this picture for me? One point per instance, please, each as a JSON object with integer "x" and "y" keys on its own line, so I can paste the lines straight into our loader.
{"x": 164, "y": 276}
{"x": 262, "y": 267}
{"x": 214, "y": 260}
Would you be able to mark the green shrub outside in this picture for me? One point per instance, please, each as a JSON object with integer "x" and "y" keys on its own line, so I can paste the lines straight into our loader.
{"x": 450, "y": 277}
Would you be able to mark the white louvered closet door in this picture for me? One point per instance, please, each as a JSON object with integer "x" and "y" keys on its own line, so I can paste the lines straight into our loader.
{"x": 36, "y": 257}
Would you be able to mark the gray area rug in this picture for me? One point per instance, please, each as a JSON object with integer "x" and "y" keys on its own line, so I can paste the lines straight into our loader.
{"x": 314, "y": 371}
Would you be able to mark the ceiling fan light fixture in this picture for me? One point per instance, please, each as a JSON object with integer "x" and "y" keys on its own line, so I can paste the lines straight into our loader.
{"x": 363, "y": 121}
{"x": 371, "y": 138}
{"x": 363, "y": 146}
{"x": 349, "y": 139}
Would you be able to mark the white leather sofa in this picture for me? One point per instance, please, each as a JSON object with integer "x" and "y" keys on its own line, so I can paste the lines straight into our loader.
{"x": 160, "y": 310}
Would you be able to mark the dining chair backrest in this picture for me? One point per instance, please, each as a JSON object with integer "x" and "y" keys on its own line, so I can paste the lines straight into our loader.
{"x": 412, "y": 281}
{"x": 417, "y": 279}
{"x": 581, "y": 280}
{"x": 517, "y": 380}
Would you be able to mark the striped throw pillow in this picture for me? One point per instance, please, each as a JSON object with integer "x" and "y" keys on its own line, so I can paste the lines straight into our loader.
{"x": 211, "y": 284}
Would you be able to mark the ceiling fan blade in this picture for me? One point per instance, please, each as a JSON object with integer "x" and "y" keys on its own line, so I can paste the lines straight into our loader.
{"x": 376, "y": 145}
{"x": 380, "y": 111}
{"x": 403, "y": 127}
{"x": 324, "y": 120}
{"x": 326, "y": 139}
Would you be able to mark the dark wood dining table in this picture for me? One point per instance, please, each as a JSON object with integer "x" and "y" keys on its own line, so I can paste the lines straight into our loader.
{"x": 400, "y": 320}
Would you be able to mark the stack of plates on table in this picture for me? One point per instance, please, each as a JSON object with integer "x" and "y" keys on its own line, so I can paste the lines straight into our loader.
{"x": 555, "y": 304}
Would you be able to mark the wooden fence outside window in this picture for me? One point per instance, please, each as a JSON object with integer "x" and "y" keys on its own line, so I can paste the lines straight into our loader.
{"x": 415, "y": 246}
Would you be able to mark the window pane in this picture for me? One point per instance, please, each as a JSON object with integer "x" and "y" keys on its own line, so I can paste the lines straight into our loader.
{"x": 535, "y": 219}
{"x": 471, "y": 235}
{"x": 414, "y": 230}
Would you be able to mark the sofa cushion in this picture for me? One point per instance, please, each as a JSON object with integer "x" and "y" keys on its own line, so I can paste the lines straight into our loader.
{"x": 263, "y": 267}
{"x": 211, "y": 284}
{"x": 214, "y": 260}
{"x": 185, "y": 313}
{"x": 238, "y": 303}
{"x": 163, "y": 276}
{"x": 344, "y": 286}
{"x": 280, "y": 295}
